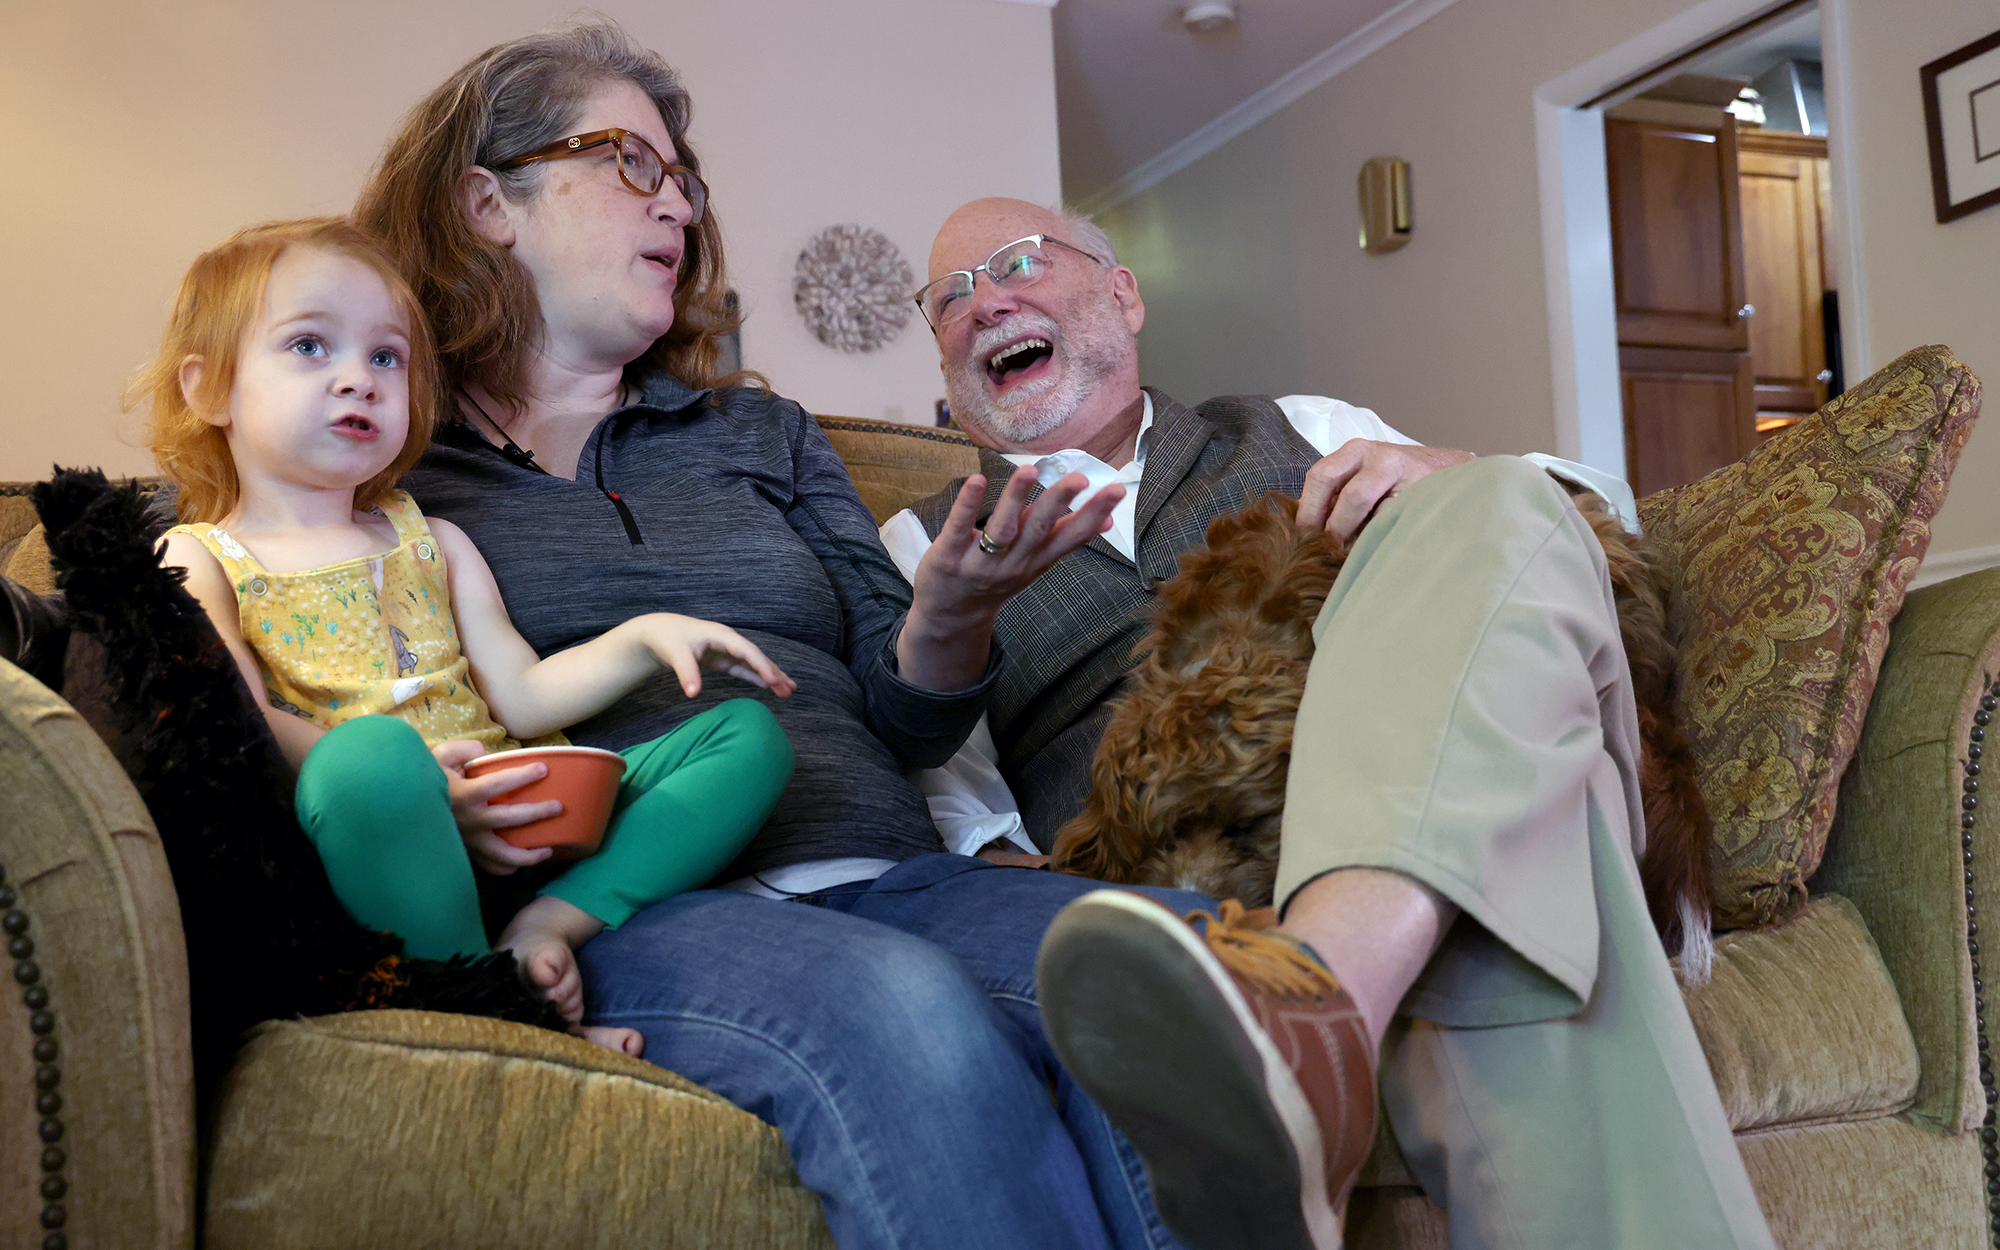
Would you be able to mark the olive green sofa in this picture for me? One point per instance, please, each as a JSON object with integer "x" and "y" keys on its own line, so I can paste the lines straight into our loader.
{"x": 1848, "y": 1044}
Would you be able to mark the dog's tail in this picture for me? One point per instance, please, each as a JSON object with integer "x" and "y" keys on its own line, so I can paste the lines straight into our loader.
{"x": 1696, "y": 962}
{"x": 1675, "y": 868}
{"x": 1084, "y": 847}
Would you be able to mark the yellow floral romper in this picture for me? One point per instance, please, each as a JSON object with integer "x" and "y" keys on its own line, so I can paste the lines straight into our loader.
{"x": 371, "y": 635}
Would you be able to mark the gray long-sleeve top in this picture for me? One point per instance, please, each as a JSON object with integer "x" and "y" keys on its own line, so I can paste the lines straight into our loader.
{"x": 737, "y": 511}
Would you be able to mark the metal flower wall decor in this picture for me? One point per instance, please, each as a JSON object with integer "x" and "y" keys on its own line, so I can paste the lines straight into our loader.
{"x": 853, "y": 288}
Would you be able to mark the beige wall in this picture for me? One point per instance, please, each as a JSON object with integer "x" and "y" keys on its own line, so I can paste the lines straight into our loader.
{"x": 1925, "y": 282}
{"x": 1254, "y": 283}
{"x": 140, "y": 134}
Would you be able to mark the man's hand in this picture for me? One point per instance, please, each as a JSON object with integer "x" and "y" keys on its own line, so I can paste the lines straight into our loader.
{"x": 478, "y": 817}
{"x": 1001, "y": 851}
{"x": 960, "y": 586}
{"x": 1343, "y": 490}
{"x": 958, "y": 578}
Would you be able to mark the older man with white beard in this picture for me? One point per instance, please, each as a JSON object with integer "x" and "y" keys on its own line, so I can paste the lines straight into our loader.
{"x": 1457, "y": 880}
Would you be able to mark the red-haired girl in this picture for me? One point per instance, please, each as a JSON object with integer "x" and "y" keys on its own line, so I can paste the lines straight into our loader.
{"x": 295, "y": 385}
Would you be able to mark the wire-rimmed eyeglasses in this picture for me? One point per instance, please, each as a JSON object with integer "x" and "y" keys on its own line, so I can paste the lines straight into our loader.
{"x": 640, "y": 166}
{"x": 1020, "y": 263}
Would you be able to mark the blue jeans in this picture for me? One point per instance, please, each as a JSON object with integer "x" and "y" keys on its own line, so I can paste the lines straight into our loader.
{"x": 889, "y": 1030}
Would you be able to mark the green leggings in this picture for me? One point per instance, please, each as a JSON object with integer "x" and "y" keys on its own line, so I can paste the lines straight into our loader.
{"x": 375, "y": 804}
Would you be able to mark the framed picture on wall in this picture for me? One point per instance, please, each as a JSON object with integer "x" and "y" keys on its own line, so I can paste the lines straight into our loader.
{"x": 1962, "y": 114}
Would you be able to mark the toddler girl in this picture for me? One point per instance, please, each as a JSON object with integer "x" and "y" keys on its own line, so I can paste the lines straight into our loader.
{"x": 295, "y": 385}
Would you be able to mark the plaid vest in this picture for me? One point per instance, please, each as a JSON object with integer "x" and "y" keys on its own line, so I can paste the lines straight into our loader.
{"x": 1069, "y": 636}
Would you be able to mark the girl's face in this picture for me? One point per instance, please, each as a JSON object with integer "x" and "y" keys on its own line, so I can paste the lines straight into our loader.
{"x": 322, "y": 390}
{"x": 605, "y": 259}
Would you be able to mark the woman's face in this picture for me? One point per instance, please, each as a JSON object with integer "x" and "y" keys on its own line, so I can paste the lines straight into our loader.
{"x": 605, "y": 259}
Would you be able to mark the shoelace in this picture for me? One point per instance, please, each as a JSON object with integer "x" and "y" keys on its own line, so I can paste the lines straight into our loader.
{"x": 1275, "y": 962}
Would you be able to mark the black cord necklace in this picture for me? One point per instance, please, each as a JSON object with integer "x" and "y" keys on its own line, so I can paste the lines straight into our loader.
{"x": 516, "y": 455}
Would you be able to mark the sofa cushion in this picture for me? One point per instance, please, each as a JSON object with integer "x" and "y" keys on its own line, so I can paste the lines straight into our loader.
{"x": 396, "y": 1128}
{"x": 1889, "y": 1183}
{"x": 1786, "y": 569}
{"x": 1801, "y": 1023}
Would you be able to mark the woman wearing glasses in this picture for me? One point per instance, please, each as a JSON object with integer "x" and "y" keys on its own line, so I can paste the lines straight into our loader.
{"x": 547, "y": 209}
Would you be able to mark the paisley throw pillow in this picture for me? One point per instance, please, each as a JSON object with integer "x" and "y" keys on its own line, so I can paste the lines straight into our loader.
{"x": 1787, "y": 568}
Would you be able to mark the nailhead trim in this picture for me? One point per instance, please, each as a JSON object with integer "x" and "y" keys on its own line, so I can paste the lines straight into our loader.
{"x": 48, "y": 1077}
{"x": 1989, "y": 1131}
{"x": 929, "y": 433}
{"x": 14, "y": 490}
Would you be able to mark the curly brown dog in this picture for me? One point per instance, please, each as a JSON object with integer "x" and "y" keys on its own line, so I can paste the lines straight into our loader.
{"x": 1188, "y": 785}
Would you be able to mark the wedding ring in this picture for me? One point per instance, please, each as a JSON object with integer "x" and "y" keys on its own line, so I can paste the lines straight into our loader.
{"x": 991, "y": 548}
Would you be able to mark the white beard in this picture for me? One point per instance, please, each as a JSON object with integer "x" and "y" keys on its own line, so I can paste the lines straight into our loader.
{"x": 1096, "y": 346}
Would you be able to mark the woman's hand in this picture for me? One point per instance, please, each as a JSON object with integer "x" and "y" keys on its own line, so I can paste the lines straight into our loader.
{"x": 960, "y": 585}
{"x": 688, "y": 645}
{"x": 478, "y": 817}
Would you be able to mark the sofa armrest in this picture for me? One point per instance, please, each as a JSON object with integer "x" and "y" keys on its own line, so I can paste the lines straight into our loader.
{"x": 1897, "y": 849}
{"x": 17, "y": 517}
{"x": 104, "y": 984}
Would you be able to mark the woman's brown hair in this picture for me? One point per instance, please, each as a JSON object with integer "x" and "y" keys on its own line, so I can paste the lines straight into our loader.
{"x": 503, "y": 104}
{"x": 219, "y": 301}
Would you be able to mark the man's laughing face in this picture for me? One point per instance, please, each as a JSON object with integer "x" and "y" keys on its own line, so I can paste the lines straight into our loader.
{"x": 1022, "y": 375}
{"x": 1021, "y": 360}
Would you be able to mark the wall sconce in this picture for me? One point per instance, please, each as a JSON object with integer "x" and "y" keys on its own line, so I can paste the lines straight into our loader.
{"x": 1386, "y": 222}
{"x": 1205, "y": 17}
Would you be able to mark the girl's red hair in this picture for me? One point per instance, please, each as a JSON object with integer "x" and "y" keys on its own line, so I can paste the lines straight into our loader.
{"x": 218, "y": 303}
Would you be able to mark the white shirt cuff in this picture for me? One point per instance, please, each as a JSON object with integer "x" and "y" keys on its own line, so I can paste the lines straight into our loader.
{"x": 1614, "y": 489}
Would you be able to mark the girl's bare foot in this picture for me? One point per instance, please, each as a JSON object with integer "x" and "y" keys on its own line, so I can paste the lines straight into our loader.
{"x": 624, "y": 1041}
{"x": 551, "y": 964}
{"x": 544, "y": 936}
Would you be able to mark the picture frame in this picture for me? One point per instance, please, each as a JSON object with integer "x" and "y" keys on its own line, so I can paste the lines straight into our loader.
{"x": 1962, "y": 117}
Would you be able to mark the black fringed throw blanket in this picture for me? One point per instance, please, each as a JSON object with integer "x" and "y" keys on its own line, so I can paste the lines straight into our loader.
{"x": 265, "y": 935}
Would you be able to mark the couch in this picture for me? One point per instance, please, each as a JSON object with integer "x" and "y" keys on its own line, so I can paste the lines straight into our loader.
{"x": 1848, "y": 1042}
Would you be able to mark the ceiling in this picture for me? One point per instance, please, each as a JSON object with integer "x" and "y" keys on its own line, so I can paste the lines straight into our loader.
{"x": 1797, "y": 39}
{"x": 1132, "y": 81}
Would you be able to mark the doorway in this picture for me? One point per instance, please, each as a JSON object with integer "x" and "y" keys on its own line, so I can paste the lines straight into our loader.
{"x": 1727, "y": 302}
{"x": 1618, "y": 401}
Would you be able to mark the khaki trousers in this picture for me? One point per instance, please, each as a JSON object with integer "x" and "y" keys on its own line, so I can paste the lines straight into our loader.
{"x": 1468, "y": 722}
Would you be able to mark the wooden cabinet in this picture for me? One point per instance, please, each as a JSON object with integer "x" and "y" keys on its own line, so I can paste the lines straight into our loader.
{"x": 1783, "y": 190}
{"x": 1683, "y": 413}
{"x": 1684, "y": 329}
{"x": 1676, "y": 231}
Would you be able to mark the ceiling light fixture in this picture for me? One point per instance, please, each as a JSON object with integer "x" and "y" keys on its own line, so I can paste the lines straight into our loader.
{"x": 1203, "y": 16}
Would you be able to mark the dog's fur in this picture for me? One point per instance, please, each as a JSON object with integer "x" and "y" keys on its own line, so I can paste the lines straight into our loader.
{"x": 265, "y": 935}
{"x": 1188, "y": 784}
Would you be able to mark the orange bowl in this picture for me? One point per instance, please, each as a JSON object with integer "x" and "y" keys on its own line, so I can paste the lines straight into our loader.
{"x": 585, "y": 779}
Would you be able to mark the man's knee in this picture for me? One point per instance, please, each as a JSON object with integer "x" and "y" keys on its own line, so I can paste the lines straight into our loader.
{"x": 1497, "y": 486}
{"x": 1513, "y": 505}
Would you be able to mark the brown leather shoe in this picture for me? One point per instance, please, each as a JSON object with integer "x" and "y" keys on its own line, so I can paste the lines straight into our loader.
{"x": 1229, "y": 1056}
